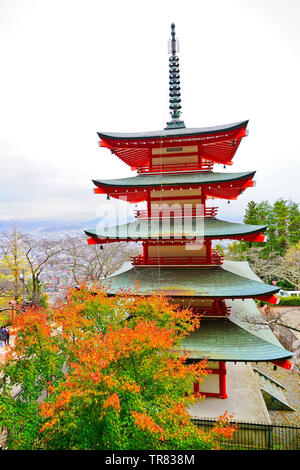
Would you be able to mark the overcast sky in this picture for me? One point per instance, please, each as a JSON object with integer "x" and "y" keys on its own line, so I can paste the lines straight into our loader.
{"x": 70, "y": 68}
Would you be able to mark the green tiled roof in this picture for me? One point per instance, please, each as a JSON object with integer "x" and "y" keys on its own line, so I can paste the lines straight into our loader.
{"x": 245, "y": 314}
{"x": 189, "y": 131}
{"x": 222, "y": 340}
{"x": 190, "y": 282}
{"x": 207, "y": 177}
{"x": 146, "y": 229}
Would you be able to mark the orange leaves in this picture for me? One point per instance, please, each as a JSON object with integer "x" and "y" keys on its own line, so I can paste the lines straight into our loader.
{"x": 103, "y": 350}
{"x": 223, "y": 427}
{"x": 32, "y": 320}
{"x": 47, "y": 410}
{"x": 113, "y": 358}
{"x": 112, "y": 401}
{"x": 146, "y": 334}
{"x": 130, "y": 387}
{"x": 146, "y": 423}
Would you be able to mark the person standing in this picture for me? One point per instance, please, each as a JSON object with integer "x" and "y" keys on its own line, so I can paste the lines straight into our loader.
{"x": 6, "y": 329}
{"x": 2, "y": 336}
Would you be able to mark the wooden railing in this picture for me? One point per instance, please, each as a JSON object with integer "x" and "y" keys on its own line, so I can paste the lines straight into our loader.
{"x": 208, "y": 212}
{"x": 211, "y": 311}
{"x": 214, "y": 260}
{"x": 171, "y": 168}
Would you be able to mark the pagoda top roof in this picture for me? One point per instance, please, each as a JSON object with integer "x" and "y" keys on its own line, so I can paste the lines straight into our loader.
{"x": 212, "y": 282}
{"x": 215, "y": 144}
{"x": 223, "y": 340}
{"x": 176, "y": 179}
{"x": 153, "y": 229}
{"x": 173, "y": 132}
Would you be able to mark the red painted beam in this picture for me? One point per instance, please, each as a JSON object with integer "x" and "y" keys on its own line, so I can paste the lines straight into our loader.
{"x": 271, "y": 299}
{"x": 256, "y": 237}
{"x": 93, "y": 241}
{"x": 284, "y": 363}
{"x": 99, "y": 190}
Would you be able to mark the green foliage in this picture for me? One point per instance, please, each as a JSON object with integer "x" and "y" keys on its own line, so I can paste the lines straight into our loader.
{"x": 35, "y": 363}
{"x": 220, "y": 249}
{"x": 291, "y": 300}
{"x": 277, "y": 259}
{"x": 4, "y": 318}
{"x": 283, "y": 221}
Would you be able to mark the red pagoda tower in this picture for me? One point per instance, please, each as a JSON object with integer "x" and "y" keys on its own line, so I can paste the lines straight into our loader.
{"x": 175, "y": 178}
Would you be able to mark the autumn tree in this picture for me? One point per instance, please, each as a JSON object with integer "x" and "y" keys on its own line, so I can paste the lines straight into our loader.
{"x": 89, "y": 263}
{"x": 38, "y": 254}
{"x": 22, "y": 261}
{"x": 101, "y": 372}
{"x": 289, "y": 269}
{"x": 13, "y": 265}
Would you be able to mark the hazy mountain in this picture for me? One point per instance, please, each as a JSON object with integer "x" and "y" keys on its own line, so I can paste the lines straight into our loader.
{"x": 54, "y": 225}
{"x": 38, "y": 225}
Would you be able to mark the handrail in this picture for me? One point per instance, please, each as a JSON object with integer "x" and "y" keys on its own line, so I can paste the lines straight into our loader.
{"x": 213, "y": 260}
{"x": 208, "y": 212}
{"x": 211, "y": 310}
{"x": 204, "y": 166}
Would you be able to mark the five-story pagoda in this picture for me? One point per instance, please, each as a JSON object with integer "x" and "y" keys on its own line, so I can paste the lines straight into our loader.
{"x": 175, "y": 178}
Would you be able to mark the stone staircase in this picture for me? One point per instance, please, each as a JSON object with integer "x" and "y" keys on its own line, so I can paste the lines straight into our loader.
{"x": 272, "y": 392}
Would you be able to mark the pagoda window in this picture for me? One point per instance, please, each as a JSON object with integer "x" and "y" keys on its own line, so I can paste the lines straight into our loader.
{"x": 168, "y": 150}
{"x": 175, "y": 251}
{"x": 182, "y": 197}
{"x": 157, "y": 161}
{"x": 178, "y": 193}
{"x": 188, "y": 202}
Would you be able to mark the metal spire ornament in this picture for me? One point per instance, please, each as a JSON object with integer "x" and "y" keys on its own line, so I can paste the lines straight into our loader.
{"x": 174, "y": 82}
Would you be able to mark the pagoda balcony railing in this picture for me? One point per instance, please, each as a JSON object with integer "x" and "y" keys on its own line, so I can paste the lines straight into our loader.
{"x": 214, "y": 260}
{"x": 192, "y": 212}
{"x": 211, "y": 311}
{"x": 171, "y": 168}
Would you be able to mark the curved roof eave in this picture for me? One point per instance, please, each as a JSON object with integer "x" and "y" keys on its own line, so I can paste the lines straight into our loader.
{"x": 223, "y": 340}
{"x": 175, "y": 179}
{"x": 149, "y": 229}
{"x": 179, "y": 132}
{"x": 214, "y": 282}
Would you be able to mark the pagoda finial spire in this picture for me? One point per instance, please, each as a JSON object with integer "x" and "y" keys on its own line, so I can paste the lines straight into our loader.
{"x": 174, "y": 82}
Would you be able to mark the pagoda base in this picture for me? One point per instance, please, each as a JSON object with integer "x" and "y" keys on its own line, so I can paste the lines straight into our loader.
{"x": 244, "y": 399}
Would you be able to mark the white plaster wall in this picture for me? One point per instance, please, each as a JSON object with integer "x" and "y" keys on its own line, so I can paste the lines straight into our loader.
{"x": 210, "y": 384}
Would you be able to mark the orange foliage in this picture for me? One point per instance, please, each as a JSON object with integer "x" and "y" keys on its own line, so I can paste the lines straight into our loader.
{"x": 102, "y": 361}
{"x": 146, "y": 423}
{"x": 112, "y": 401}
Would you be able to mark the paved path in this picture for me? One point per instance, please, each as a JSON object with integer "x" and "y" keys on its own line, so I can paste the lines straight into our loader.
{"x": 3, "y": 348}
{"x": 244, "y": 400}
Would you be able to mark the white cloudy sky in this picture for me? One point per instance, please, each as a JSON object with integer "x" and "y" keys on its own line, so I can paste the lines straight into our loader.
{"x": 70, "y": 68}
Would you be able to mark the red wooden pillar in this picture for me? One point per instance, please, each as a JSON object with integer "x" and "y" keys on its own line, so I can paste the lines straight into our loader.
{"x": 222, "y": 380}
{"x": 203, "y": 200}
{"x": 208, "y": 250}
{"x": 145, "y": 251}
{"x": 196, "y": 388}
{"x": 148, "y": 205}
{"x": 216, "y": 306}
{"x": 150, "y": 163}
